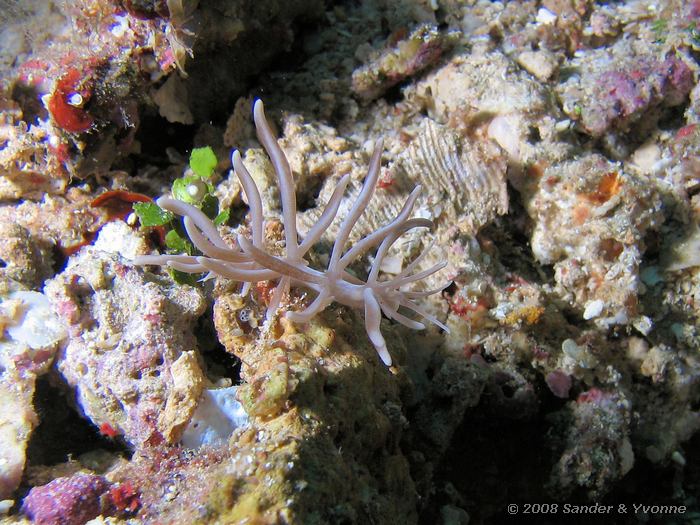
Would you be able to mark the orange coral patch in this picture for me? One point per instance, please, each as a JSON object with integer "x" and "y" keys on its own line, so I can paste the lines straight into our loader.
{"x": 611, "y": 249}
{"x": 118, "y": 203}
{"x": 580, "y": 213}
{"x": 529, "y": 314}
{"x": 608, "y": 187}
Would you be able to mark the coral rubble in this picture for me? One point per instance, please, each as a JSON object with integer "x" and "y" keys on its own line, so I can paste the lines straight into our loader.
{"x": 138, "y": 329}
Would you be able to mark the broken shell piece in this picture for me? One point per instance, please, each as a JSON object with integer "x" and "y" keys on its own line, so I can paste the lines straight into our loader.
{"x": 646, "y": 157}
{"x": 442, "y": 161}
{"x": 418, "y": 51}
{"x": 504, "y": 130}
{"x": 593, "y": 309}
{"x": 29, "y": 336}
{"x": 541, "y": 64}
{"x": 545, "y": 16}
{"x": 35, "y": 324}
{"x": 684, "y": 253}
{"x": 188, "y": 381}
{"x": 117, "y": 237}
{"x": 218, "y": 414}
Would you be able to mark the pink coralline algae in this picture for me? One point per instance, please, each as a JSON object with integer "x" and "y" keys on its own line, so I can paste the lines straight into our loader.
{"x": 559, "y": 383}
{"x": 695, "y": 9}
{"x": 594, "y": 396}
{"x": 623, "y": 96}
{"x": 626, "y": 83}
{"x": 66, "y": 501}
{"x": 124, "y": 498}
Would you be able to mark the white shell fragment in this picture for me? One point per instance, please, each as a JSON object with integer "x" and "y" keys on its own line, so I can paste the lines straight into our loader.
{"x": 466, "y": 180}
{"x": 593, "y": 309}
{"x": 36, "y": 325}
{"x": 6, "y": 505}
{"x": 117, "y": 237}
{"x": 464, "y": 183}
{"x": 504, "y": 130}
{"x": 218, "y": 414}
{"x": 545, "y": 16}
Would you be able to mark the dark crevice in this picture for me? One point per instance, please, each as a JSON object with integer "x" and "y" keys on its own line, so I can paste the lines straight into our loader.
{"x": 510, "y": 233}
{"x": 219, "y": 363}
{"x": 294, "y": 59}
{"x": 60, "y": 259}
{"x": 29, "y": 100}
{"x": 63, "y": 434}
{"x": 156, "y": 135}
{"x": 533, "y": 136}
{"x": 486, "y": 465}
{"x": 394, "y": 94}
{"x": 309, "y": 199}
{"x": 673, "y": 118}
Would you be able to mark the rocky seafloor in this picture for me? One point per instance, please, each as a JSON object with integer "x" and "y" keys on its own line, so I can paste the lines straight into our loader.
{"x": 557, "y": 144}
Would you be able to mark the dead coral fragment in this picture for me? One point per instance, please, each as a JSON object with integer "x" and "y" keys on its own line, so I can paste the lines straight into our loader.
{"x": 66, "y": 501}
{"x": 127, "y": 354}
{"x": 419, "y": 50}
{"x": 623, "y": 85}
{"x": 249, "y": 262}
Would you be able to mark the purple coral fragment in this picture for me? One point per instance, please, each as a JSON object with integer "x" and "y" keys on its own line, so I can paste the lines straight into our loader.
{"x": 69, "y": 500}
{"x": 621, "y": 97}
{"x": 559, "y": 382}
